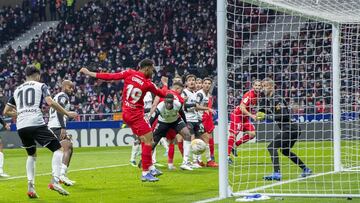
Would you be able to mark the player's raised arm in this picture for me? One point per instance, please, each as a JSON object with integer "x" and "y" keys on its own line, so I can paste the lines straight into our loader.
{"x": 105, "y": 76}
{"x": 160, "y": 92}
{"x": 154, "y": 105}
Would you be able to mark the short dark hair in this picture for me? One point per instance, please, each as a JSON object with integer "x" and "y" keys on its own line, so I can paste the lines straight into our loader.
{"x": 169, "y": 96}
{"x": 190, "y": 76}
{"x": 179, "y": 84}
{"x": 31, "y": 70}
{"x": 145, "y": 63}
{"x": 208, "y": 79}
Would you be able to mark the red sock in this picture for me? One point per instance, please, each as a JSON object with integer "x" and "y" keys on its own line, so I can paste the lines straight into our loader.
{"x": 231, "y": 141}
{"x": 146, "y": 156}
{"x": 171, "y": 153}
{"x": 181, "y": 149}
{"x": 244, "y": 139}
{"x": 211, "y": 145}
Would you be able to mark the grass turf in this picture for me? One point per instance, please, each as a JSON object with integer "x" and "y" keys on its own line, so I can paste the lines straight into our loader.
{"x": 104, "y": 175}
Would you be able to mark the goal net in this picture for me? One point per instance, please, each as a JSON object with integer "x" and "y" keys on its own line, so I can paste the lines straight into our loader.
{"x": 311, "y": 49}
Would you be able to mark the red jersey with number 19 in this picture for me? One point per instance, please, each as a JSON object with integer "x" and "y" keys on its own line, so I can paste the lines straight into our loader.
{"x": 135, "y": 87}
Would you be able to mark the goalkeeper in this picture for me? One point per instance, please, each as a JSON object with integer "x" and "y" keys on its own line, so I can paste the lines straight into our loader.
{"x": 278, "y": 111}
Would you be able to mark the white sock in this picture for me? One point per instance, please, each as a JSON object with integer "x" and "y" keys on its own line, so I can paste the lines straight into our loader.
{"x": 207, "y": 153}
{"x": 196, "y": 158}
{"x": 30, "y": 169}
{"x": 56, "y": 164}
{"x": 153, "y": 156}
{"x": 63, "y": 169}
{"x": 164, "y": 143}
{"x": 187, "y": 150}
{"x": 1, "y": 162}
{"x": 134, "y": 151}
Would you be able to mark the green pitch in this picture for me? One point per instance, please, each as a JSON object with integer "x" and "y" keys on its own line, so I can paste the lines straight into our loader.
{"x": 104, "y": 175}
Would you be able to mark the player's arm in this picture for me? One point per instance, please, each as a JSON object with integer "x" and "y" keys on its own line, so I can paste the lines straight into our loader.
{"x": 154, "y": 116}
{"x": 281, "y": 112}
{"x": 159, "y": 92}
{"x": 182, "y": 114}
{"x": 10, "y": 108}
{"x": 198, "y": 107}
{"x": 154, "y": 104}
{"x": 54, "y": 104}
{"x": 105, "y": 76}
{"x": 245, "y": 102}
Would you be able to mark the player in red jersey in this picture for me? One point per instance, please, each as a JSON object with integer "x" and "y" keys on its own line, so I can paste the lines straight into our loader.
{"x": 136, "y": 84}
{"x": 240, "y": 119}
{"x": 171, "y": 135}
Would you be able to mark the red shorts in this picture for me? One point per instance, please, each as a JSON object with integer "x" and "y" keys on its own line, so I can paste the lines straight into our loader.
{"x": 239, "y": 123}
{"x": 137, "y": 122}
{"x": 170, "y": 135}
{"x": 208, "y": 123}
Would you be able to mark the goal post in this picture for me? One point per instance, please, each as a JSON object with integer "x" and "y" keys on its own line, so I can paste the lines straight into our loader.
{"x": 311, "y": 49}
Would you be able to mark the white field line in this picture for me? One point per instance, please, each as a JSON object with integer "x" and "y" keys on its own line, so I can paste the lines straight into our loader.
{"x": 75, "y": 170}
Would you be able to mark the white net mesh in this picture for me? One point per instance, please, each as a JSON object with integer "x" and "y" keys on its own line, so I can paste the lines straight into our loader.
{"x": 291, "y": 43}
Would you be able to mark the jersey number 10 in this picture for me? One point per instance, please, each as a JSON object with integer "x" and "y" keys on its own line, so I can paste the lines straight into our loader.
{"x": 26, "y": 97}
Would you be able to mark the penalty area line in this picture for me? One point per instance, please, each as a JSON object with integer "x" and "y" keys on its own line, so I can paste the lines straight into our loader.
{"x": 70, "y": 171}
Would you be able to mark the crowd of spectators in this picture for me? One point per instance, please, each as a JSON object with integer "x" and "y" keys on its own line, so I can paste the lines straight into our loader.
{"x": 13, "y": 22}
{"x": 301, "y": 66}
{"x": 180, "y": 36}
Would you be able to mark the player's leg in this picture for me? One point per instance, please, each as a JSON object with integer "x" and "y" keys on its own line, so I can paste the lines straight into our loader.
{"x": 180, "y": 143}
{"x": 48, "y": 139}
{"x": 186, "y": 132}
{"x": 234, "y": 129}
{"x": 199, "y": 131}
{"x": 165, "y": 144}
{"x": 286, "y": 151}
{"x": 30, "y": 146}
{"x": 212, "y": 146}
{"x": 248, "y": 135}
{"x": 170, "y": 137}
{"x": 209, "y": 161}
{"x": 135, "y": 150}
{"x": 2, "y": 174}
{"x": 66, "y": 144}
{"x": 273, "y": 151}
{"x": 141, "y": 127}
{"x": 171, "y": 153}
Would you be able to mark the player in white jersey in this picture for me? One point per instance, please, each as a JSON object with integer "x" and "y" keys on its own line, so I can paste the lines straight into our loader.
{"x": 198, "y": 84}
{"x": 57, "y": 124}
{"x": 191, "y": 107}
{"x": 7, "y": 127}
{"x": 26, "y": 103}
{"x": 170, "y": 115}
{"x": 203, "y": 97}
{"x": 135, "y": 149}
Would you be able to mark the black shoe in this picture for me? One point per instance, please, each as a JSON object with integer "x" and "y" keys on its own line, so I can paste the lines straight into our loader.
{"x": 234, "y": 152}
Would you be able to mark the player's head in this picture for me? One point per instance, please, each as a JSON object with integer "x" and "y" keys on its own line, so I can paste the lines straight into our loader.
{"x": 67, "y": 87}
{"x": 190, "y": 81}
{"x": 198, "y": 84}
{"x": 256, "y": 85}
{"x": 178, "y": 87}
{"x": 147, "y": 67}
{"x": 169, "y": 101}
{"x": 32, "y": 73}
{"x": 268, "y": 86}
{"x": 177, "y": 78}
{"x": 206, "y": 84}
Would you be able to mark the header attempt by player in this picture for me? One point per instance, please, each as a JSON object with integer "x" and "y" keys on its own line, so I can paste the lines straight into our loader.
{"x": 136, "y": 84}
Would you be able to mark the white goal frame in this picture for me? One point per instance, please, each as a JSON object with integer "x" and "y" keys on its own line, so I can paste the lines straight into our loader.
{"x": 224, "y": 189}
